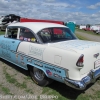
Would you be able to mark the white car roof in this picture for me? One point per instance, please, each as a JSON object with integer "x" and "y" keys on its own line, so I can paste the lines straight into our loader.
{"x": 36, "y": 26}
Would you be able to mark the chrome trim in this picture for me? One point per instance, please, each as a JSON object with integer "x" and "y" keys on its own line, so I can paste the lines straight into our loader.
{"x": 81, "y": 85}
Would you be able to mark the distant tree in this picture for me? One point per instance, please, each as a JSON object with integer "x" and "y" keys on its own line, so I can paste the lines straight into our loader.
{"x": 77, "y": 26}
{"x": 88, "y": 25}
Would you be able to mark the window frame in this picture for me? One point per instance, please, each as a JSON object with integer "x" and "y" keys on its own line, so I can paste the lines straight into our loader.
{"x": 11, "y": 27}
{"x": 73, "y": 35}
{"x": 31, "y": 32}
{"x": 19, "y": 28}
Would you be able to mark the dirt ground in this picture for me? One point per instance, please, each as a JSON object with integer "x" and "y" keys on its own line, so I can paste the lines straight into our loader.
{"x": 89, "y": 36}
{"x": 15, "y": 84}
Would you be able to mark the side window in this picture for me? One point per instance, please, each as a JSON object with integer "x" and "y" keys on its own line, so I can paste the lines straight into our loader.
{"x": 12, "y": 33}
{"x": 45, "y": 35}
{"x": 26, "y": 35}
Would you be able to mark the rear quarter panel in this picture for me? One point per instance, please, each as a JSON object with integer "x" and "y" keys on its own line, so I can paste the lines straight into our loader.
{"x": 62, "y": 59}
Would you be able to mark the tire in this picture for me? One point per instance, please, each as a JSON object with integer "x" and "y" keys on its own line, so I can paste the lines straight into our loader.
{"x": 97, "y": 32}
{"x": 39, "y": 77}
{"x": 94, "y": 31}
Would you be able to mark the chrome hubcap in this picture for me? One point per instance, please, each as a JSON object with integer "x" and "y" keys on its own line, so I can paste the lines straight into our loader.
{"x": 39, "y": 74}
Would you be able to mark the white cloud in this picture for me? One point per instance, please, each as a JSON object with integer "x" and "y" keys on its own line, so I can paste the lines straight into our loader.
{"x": 48, "y": 9}
{"x": 95, "y": 6}
{"x": 92, "y": 7}
{"x": 65, "y": 5}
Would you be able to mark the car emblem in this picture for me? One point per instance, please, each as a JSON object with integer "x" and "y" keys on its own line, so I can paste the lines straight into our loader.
{"x": 96, "y": 55}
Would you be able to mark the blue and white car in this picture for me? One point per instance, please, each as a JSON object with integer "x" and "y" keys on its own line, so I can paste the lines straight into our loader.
{"x": 51, "y": 52}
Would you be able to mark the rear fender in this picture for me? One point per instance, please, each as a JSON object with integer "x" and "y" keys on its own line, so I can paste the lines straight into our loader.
{"x": 29, "y": 66}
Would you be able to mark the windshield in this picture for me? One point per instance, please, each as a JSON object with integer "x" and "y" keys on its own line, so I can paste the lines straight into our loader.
{"x": 56, "y": 34}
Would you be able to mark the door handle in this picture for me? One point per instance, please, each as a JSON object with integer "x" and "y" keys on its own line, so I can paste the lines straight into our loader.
{"x": 13, "y": 41}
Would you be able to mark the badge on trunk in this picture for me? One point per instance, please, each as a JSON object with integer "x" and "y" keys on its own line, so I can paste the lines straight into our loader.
{"x": 96, "y": 55}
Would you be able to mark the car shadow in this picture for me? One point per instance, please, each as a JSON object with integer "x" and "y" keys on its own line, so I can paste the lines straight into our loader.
{"x": 64, "y": 90}
{"x": 25, "y": 72}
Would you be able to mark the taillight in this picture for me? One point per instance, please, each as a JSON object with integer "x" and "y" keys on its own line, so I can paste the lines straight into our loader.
{"x": 80, "y": 61}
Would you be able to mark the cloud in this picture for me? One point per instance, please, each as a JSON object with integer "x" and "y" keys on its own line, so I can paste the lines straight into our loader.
{"x": 95, "y": 6}
{"x": 64, "y": 5}
{"x": 48, "y": 9}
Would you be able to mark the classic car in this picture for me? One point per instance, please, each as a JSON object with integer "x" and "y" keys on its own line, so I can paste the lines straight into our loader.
{"x": 51, "y": 52}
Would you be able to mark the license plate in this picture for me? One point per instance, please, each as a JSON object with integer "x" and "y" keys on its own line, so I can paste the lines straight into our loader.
{"x": 97, "y": 63}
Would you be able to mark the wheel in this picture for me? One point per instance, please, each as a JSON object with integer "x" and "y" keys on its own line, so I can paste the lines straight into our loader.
{"x": 94, "y": 31}
{"x": 39, "y": 77}
{"x": 97, "y": 32}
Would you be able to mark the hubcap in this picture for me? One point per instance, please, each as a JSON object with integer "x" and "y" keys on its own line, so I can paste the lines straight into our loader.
{"x": 39, "y": 74}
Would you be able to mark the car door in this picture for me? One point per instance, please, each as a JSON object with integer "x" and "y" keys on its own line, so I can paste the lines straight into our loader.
{"x": 26, "y": 36}
{"x": 9, "y": 45}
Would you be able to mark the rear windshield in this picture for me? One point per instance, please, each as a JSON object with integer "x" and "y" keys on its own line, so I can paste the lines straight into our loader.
{"x": 56, "y": 34}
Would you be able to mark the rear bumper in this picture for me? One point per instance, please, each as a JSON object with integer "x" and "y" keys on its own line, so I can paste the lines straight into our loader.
{"x": 81, "y": 85}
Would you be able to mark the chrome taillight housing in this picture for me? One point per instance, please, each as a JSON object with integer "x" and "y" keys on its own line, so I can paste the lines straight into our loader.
{"x": 80, "y": 61}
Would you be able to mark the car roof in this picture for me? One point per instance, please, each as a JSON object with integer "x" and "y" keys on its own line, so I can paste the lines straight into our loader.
{"x": 36, "y": 26}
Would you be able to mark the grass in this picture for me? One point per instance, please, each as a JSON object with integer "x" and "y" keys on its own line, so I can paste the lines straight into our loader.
{"x": 14, "y": 81}
{"x": 85, "y": 97}
{"x": 5, "y": 90}
{"x": 97, "y": 94}
{"x": 51, "y": 92}
{"x": 2, "y": 32}
{"x": 29, "y": 91}
{"x": 81, "y": 38}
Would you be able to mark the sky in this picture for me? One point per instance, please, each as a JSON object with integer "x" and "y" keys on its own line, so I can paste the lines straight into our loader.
{"x": 78, "y": 11}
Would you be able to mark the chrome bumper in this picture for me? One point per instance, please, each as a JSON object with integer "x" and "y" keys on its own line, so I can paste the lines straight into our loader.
{"x": 81, "y": 85}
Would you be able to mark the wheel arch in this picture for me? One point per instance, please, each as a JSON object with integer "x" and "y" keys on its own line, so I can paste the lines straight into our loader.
{"x": 29, "y": 66}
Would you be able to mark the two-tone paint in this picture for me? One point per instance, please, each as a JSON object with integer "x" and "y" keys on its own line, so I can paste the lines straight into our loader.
{"x": 57, "y": 60}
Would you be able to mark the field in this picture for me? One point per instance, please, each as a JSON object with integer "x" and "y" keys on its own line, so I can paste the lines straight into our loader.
{"x": 2, "y": 32}
{"x": 16, "y": 84}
